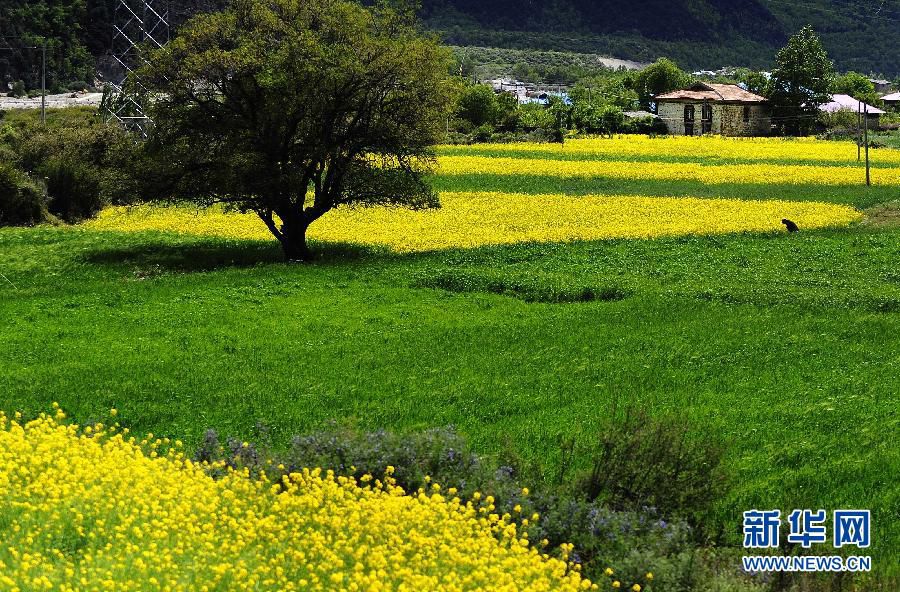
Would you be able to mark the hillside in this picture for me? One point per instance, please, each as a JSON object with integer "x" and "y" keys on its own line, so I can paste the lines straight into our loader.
{"x": 859, "y": 34}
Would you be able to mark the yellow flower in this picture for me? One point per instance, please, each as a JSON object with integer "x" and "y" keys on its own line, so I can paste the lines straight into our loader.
{"x": 156, "y": 521}
{"x": 616, "y": 584}
{"x": 649, "y": 575}
{"x": 114, "y": 412}
{"x": 608, "y": 571}
{"x": 636, "y": 588}
{"x": 469, "y": 220}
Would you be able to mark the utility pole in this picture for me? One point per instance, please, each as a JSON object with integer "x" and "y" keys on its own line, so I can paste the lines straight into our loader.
{"x": 858, "y": 138}
{"x": 866, "y": 123}
{"x": 44, "y": 82}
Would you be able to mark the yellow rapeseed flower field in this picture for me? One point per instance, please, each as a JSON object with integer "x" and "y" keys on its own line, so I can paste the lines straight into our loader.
{"x": 762, "y": 149}
{"x": 711, "y": 174}
{"x": 92, "y": 509}
{"x": 468, "y": 220}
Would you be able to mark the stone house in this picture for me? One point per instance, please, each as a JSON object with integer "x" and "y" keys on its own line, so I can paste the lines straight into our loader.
{"x": 707, "y": 108}
{"x": 892, "y": 101}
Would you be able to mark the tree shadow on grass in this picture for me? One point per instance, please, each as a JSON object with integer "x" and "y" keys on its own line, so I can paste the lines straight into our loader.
{"x": 157, "y": 256}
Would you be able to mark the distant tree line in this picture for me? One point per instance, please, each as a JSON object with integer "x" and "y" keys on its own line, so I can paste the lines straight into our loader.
{"x": 802, "y": 78}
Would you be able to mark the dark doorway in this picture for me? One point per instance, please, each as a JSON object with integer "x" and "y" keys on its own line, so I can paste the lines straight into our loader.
{"x": 706, "y": 118}
{"x": 689, "y": 120}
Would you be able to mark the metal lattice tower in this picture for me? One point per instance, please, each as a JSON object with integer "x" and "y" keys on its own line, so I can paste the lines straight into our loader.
{"x": 136, "y": 23}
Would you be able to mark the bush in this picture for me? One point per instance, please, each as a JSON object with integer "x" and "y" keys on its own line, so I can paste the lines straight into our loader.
{"x": 643, "y": 462}
{"x": 478, "y": 105}
{"x": 18, "y": 89}
{"x": 86, "y": 161}
{"x": 22, "y": 201}
{"x": 73, "y": 188}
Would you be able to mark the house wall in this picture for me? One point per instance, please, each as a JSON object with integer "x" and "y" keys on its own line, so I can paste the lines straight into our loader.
{"x": 727, "y": 119}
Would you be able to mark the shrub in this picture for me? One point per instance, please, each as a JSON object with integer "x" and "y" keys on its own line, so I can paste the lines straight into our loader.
{"x": 483, "y": 133}
{"x": 73, "y": 188}
{"x": 22, "y": 200}
{"x": 86, "y": 161}
{"x": 478, "y": 105}
{"x": 18, "y": 89}
{"x": 643, "y": 462}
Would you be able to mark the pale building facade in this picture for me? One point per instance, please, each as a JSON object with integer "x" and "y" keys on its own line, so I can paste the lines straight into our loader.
{"x": 722, "y": 109}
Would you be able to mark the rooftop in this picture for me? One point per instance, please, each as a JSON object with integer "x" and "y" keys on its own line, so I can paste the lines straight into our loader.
{"x": 707, "y": 91}
{"x": 848, "y": 103}
{"x": 891, "y": 97}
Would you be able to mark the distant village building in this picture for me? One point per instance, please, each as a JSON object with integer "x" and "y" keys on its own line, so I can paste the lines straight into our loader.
{"x": 881, "y": 86}
{"x": 848, "y": 103}
{"x": 707, "y": 108}
{"x": 526, "y": 93}
{"x": 892, "y": 101}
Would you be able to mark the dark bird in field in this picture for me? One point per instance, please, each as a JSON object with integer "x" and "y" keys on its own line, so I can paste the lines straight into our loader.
{"x": 791, "y": 227}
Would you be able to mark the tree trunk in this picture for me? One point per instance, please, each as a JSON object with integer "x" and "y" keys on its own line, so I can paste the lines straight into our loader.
{"x": 293, "y": 242}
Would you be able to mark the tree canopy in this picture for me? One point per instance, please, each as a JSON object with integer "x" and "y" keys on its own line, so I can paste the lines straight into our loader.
{"x": 662, "y": 76}
{"x": 289, "y": 109}
{"x": 857, "y": 86}
{"x": 801, "y": 81}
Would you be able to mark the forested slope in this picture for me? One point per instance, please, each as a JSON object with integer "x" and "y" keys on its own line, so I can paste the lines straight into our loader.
{"x": 861, "y": 35}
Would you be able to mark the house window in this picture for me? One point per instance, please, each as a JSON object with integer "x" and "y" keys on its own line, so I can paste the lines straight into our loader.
{"x": 706, "y": 118}
{"x": 746, "y": 113}
{"x": 689, "y": 120}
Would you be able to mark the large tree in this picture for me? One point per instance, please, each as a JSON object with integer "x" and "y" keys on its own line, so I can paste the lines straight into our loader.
{"x": 801, "y": 82}
{"x": 290, "y": 108}
{"x": 660, "y": 77}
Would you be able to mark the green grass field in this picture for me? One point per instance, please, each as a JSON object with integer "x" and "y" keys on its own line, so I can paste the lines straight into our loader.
{"x": 787, "y": 347}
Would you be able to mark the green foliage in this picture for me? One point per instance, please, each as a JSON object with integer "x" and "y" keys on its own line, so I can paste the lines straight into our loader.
{"x": 857, "y": 86}
{"x": 800, "y": 82}
{"x": 478, "y": 105}
{"x": 755, "y": 81}
{"x": 662, "y": 76}
{"x": 22, "y": 200}
{"x": 326, "y": 97}
{"x": 18, "y": 89}
{"x": 535, "y": 116}
{"x": 642, "y": 461}
{"x": 74, "y": 188}
{"x": 85, "y": 161}
{"x": 26, "y": 24}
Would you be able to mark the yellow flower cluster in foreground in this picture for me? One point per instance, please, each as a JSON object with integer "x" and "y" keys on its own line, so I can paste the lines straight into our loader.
{"x": 623, "y": 147}
{"x": 91, "y": 509}
{"x": 753, "y": 174}
{"x": 475, "y": 219}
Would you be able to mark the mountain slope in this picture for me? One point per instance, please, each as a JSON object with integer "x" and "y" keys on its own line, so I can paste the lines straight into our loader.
{"x": 859, "y": 34}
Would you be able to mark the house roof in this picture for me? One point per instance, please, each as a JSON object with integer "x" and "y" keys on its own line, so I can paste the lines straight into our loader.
{"x": 848, "y": 103}
{"x": 716, "y": 93}
{"x": 891, "y": 97}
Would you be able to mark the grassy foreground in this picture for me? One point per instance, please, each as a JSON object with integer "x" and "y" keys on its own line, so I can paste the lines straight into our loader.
{"x": 785, "y": 346}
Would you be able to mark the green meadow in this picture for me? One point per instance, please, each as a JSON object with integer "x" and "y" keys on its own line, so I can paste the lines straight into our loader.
{"x": 784, "y": 347}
